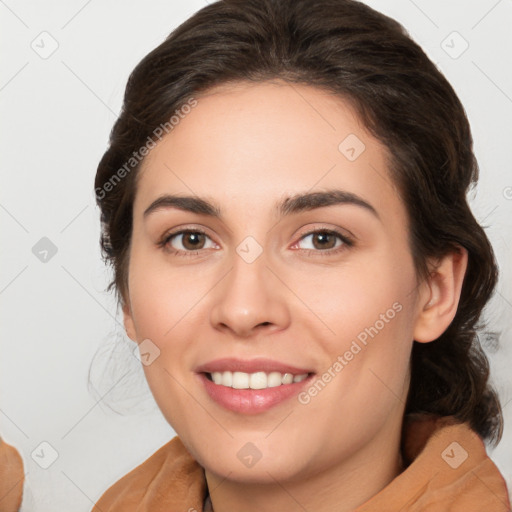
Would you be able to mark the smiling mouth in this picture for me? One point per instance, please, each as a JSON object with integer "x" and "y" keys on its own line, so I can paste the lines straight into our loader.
{"x": 257, "y": 380}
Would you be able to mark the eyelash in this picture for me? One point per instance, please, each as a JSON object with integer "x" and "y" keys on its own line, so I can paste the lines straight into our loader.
{"x": 347, "y": 242}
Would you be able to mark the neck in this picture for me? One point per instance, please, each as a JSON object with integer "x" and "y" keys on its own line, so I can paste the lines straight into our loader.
{"x": 341, "y": 487}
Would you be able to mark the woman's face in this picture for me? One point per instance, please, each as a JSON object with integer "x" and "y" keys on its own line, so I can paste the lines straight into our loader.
{"x": 257, "y": 299}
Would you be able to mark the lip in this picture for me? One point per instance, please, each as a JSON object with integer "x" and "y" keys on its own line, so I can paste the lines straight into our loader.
{"x": 261, "y": 364}
{"x": 251, "y": 401}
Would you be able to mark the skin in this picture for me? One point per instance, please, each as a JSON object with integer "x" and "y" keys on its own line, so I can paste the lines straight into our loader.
{"x": 246, "y": 147}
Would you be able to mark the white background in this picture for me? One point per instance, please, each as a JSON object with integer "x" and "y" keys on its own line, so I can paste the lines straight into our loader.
{"x": 56, "y": 114}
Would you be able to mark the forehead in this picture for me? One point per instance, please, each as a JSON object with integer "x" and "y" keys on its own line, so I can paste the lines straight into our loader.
{"x": 250, "y": 144}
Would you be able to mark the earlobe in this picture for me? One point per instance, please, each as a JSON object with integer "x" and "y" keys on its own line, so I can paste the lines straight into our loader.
{"x": 440, "y": 296}
{"x": 129, "y": 325}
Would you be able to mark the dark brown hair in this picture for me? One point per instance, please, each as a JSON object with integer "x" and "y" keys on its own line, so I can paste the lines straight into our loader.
{"x": 366, "y": 58}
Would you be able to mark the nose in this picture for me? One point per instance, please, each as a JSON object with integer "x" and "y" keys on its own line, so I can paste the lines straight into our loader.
{"x": 249, "y": 300}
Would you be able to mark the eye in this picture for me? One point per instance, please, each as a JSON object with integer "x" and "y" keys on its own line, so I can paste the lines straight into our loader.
{"x": 189, "y": 242}
{"x": 325, "y": 241}
{"x": 186, "y": 242}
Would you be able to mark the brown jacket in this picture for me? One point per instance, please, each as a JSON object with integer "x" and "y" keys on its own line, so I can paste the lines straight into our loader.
{"x": 447, "y": 470}
{"x": 11, "y": 478}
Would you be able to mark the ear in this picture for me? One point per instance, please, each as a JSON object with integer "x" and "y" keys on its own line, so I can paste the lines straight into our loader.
{"x": 129, "y": 324}
{"x": 439, "y": 296}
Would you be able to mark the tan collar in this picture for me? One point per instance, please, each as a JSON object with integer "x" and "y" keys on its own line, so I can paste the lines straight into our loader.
{"x": 447, "y": 469}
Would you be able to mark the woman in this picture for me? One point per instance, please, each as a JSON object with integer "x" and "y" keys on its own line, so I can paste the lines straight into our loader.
{"x": 284, "y": 206}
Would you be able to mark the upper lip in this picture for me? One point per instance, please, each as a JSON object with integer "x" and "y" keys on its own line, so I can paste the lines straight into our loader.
{"x": 250, "y": 366}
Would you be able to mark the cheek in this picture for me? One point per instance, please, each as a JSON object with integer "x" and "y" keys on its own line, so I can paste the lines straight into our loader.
{"x": 167, "y": 309}
{"x": 369, "y": 310}
{"x": 163, "y": 299}
{"x": 374, "y": 291}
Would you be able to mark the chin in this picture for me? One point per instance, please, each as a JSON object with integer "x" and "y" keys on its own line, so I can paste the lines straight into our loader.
{"x": 266, "y": 470}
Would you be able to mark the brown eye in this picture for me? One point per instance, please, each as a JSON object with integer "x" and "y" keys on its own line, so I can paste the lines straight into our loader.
{"x": 193, "y": 240}
{"x": 324, "y": 242}
{"x": 324, "y": 239}
{"x": 187, "y": 242}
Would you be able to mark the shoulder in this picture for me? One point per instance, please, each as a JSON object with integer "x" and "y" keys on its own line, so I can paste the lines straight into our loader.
{"x": 168, "y": 477}
{"x": 446, "y": 468}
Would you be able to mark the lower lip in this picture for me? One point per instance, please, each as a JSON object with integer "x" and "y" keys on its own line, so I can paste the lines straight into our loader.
{"x": 251, "y": 401}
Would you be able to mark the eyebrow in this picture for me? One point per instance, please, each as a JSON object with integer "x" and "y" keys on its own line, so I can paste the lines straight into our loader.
{"x": 288, "y": 206}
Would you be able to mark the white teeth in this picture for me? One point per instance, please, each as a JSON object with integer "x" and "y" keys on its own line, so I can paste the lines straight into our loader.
{"x": 287, "y": 378}
{"x": 258, "y": 380}
{"x": 274, "y": 379}
{"x": 227, "y": 379}
{"x": 240, "y": 380}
